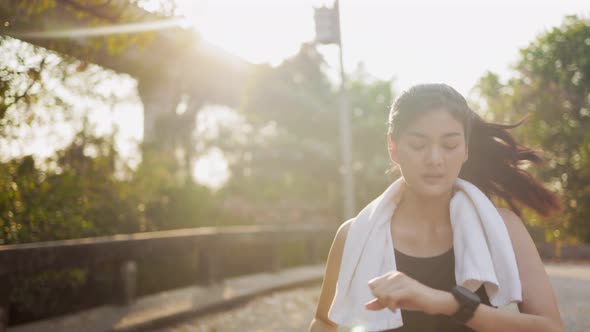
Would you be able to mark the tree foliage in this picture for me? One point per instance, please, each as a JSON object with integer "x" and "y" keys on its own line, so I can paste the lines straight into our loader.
{"x": 288, "y": 150}
{"x": 552, "y": 82}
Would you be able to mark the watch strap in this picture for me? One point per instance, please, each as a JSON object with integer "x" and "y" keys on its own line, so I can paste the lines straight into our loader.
{"x": 468, "y": 302}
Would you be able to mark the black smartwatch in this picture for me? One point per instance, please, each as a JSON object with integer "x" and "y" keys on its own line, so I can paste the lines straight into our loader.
{"x": 468, "y": 302}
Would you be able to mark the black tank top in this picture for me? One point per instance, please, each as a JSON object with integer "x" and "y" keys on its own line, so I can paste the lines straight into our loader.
{"x": 437, "y": 272}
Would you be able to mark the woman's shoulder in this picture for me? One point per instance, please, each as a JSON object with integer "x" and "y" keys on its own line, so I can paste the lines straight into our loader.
{"x": 514, "y": 225}
{"x": 513, "y": 222}
{"x": 342, "y": 232}
{"x": 507, "y": 213}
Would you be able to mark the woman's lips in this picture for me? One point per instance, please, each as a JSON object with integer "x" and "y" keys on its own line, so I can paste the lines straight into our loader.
{"x": 432, "y": 178}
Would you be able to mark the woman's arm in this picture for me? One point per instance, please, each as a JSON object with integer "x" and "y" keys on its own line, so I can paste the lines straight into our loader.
{"x": 538, "y": 309}
{"x": 321, "y": 322}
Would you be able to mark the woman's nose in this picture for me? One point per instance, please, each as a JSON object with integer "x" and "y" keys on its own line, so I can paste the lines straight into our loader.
{"x": 434, "y": 155}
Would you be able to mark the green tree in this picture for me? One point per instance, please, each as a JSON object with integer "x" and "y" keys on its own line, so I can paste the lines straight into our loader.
{"x": 552, "y": 82}
{"x": 287, "y": 151}
{"x": 369, "y": 100}
{"x": 290, "y": 137}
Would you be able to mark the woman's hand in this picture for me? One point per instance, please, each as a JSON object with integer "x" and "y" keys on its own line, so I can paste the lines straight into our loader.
{"x": 395, "y": 290}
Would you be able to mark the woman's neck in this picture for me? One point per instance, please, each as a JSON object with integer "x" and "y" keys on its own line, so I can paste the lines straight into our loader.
{"x": 426, "y": 212}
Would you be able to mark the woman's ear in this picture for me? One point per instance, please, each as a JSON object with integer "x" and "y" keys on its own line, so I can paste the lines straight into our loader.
{"x": 392, "y": 148}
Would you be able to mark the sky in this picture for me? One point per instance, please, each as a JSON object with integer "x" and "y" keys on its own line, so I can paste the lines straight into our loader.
{"x": 410, "y": 41}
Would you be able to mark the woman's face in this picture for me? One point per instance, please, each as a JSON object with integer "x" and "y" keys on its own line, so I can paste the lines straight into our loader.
{"x": 430, "y": 152}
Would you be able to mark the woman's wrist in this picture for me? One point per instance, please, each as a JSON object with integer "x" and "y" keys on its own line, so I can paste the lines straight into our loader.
{"x": 444, "y": 303}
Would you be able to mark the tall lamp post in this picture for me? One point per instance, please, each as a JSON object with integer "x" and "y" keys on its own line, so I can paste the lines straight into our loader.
{"x": 327, "y": 24}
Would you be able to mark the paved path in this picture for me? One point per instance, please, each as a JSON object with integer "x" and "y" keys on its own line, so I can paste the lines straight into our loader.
{"x": 168, "y": 307}
{"x": 292, "y": 310}
{"x": 572, "y": 287}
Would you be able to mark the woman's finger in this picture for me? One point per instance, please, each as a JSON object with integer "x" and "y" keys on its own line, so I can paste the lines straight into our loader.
{"x": 389, "y": 294}
{"x": 376, "y": 281}
{"x": 382, "y": 278}
{"x": 374, "y": 305}
{"x": 386, "y": 287}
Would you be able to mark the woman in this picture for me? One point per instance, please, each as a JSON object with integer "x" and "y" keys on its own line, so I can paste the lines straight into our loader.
{"x": 433, "y": 138}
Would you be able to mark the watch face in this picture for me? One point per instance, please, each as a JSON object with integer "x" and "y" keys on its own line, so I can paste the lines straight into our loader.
{"x": 469, "y": 294}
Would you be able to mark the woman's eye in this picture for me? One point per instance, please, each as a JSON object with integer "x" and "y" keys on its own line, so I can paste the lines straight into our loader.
{"x": 420, "y": 147}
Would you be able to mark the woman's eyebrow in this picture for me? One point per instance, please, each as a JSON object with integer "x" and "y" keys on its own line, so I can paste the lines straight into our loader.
{"x": 446, "y": 135}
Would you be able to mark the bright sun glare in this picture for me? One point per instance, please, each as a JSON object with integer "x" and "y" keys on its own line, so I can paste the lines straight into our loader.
{"x": 259, "y": 31}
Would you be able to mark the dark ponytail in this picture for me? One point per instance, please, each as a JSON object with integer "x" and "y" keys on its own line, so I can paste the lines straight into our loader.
{"x": 494, "y": 155}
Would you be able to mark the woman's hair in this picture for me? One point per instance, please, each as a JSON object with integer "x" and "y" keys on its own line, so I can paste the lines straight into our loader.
{"x": 494, "y": 154}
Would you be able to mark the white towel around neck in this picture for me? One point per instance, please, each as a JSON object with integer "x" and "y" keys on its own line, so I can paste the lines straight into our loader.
{"x": 481, "y": 244}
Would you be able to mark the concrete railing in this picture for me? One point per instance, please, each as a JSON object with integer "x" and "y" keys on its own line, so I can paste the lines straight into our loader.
{"x": 123, "y": 251}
